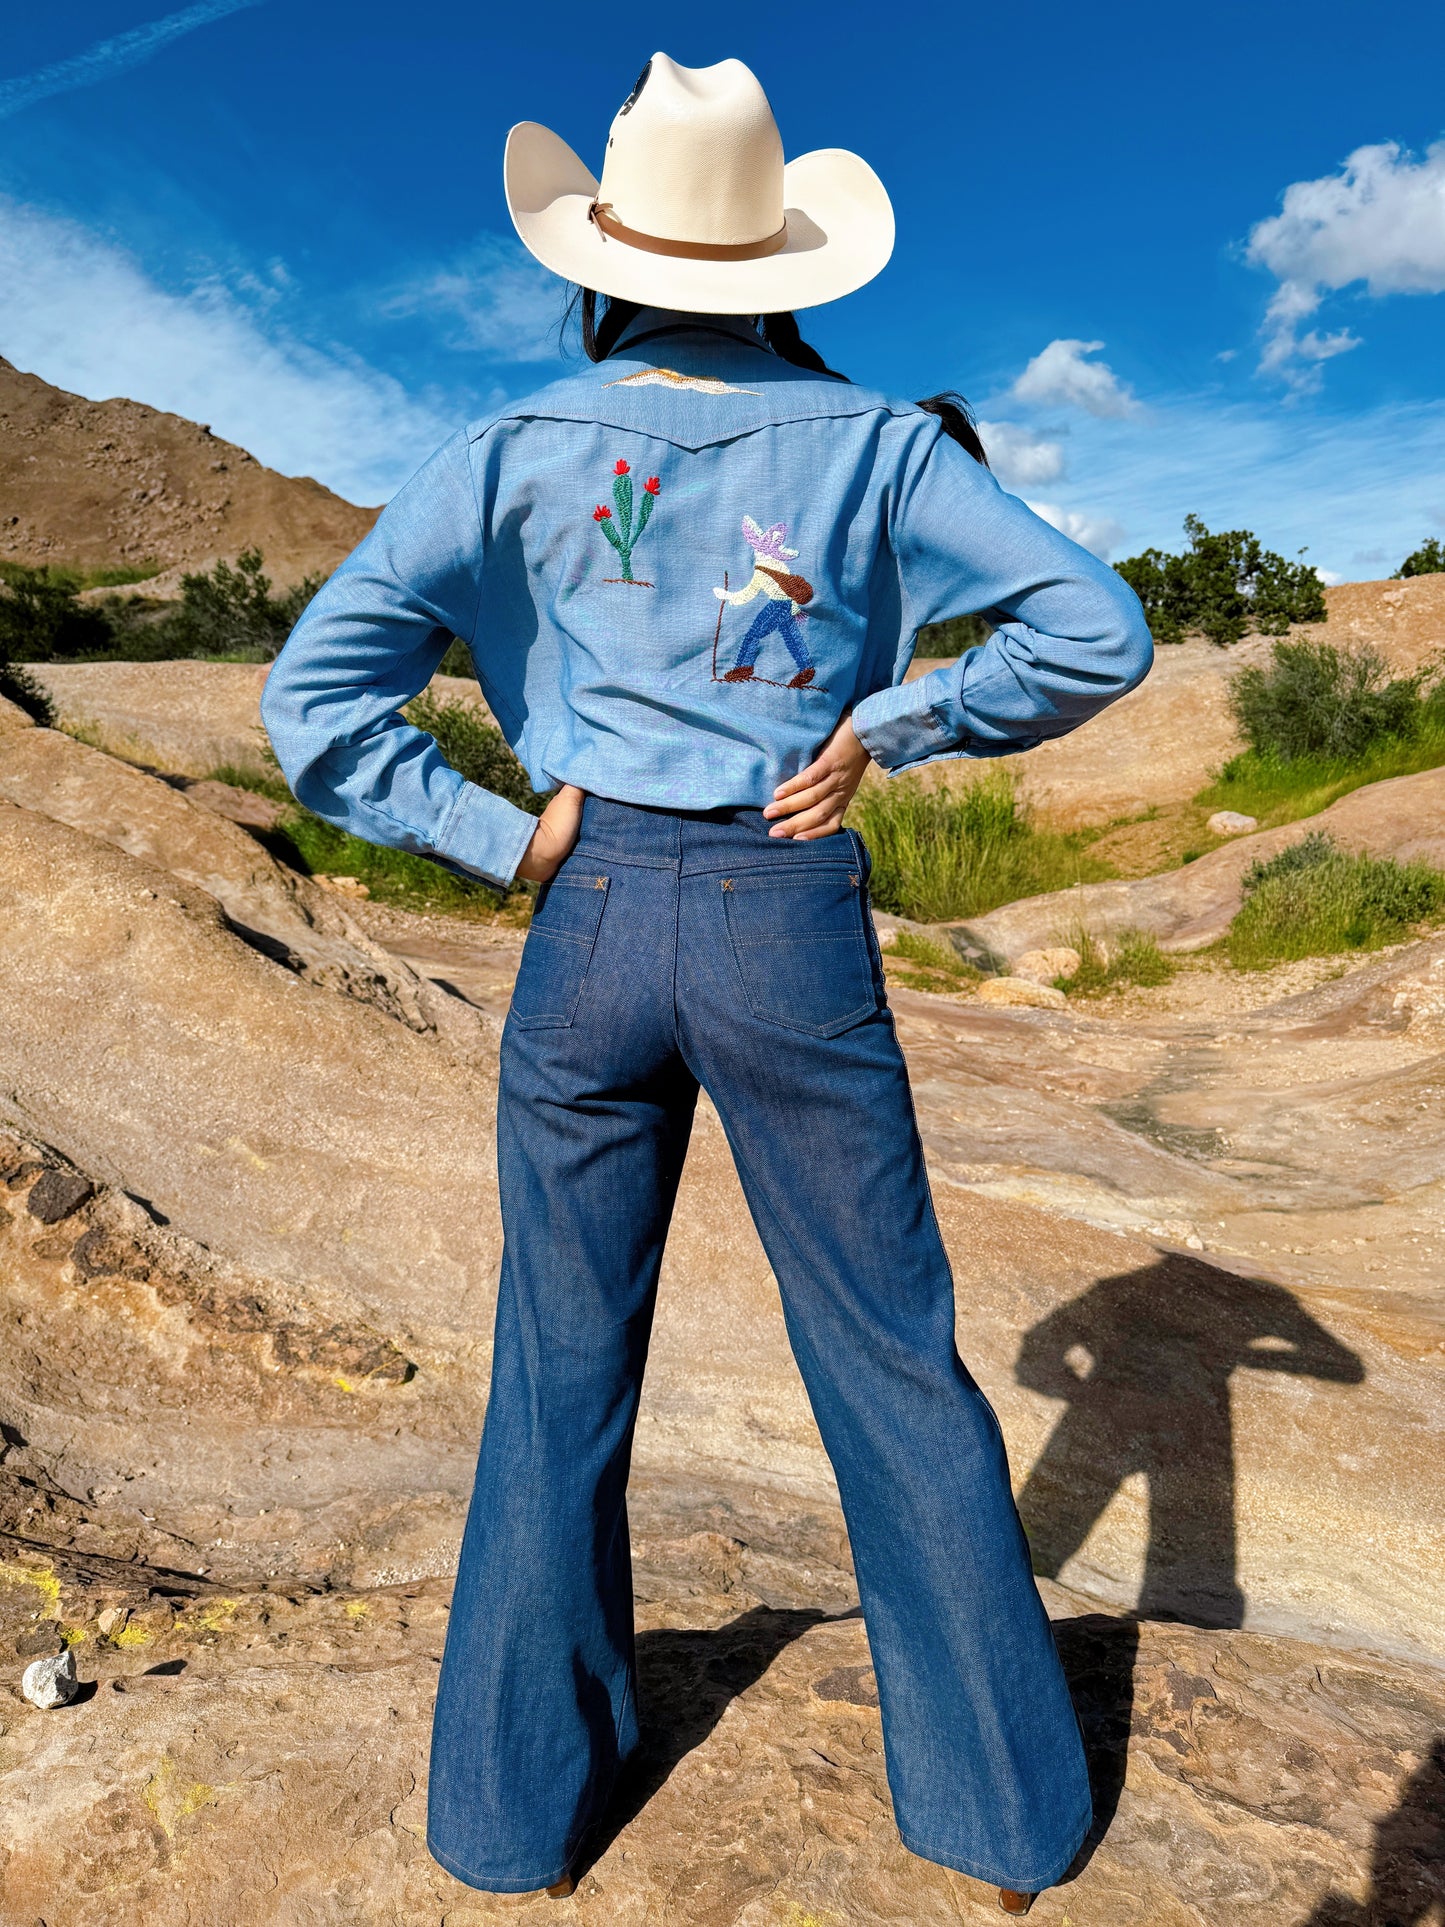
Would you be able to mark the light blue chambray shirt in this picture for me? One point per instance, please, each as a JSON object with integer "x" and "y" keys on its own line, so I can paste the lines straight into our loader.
{"x": 675, "y": 571}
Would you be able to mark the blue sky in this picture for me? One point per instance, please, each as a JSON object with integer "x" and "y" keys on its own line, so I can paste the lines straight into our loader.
{"x": 1181, "y": 260}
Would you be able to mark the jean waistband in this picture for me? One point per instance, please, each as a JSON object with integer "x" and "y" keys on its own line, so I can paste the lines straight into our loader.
{"x": 694, "y": 841}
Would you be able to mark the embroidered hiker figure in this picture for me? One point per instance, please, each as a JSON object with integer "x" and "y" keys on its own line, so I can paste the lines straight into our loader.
{"x": 624, "y": 533}
{"x": 785, "y": 596}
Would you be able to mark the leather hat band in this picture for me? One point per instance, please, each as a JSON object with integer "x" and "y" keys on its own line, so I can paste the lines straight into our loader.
{"x": 606, "y": 222}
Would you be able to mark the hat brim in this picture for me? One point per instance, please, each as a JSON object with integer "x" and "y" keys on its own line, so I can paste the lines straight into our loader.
{"x": 839, "y": 226}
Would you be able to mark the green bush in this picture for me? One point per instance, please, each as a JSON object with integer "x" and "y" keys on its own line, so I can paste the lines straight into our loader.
{"x": 477, "y": 748}
{"x": 1221, "y": 587}
{"x": 940, "y": 852}
{"x": 951, "y": 638}
{"x": 1315, "y": 900}
{"x": 18, "y": 686}
{"x": 1319, "y": 701}
{"x": 1428, "y": 559}
{"x": 1130, "y": 957}
{"x": 41, "y": 619}
{"x": 232, "y": 612}
{"x": 224, "y": 612}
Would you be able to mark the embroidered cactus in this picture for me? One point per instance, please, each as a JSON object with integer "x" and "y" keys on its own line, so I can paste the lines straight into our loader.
{"x": 625, "y": 531}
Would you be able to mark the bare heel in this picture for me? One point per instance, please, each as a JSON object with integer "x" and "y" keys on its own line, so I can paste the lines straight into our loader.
{"x": 1012, "y": 1902}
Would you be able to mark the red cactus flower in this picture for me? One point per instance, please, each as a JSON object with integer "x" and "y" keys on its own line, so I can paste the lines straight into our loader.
{"x": 621, "y": 468}
{"x": 601, "y": 514}
{"x": 653, "y": 484}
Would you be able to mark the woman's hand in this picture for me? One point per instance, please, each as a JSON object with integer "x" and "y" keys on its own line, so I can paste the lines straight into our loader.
{"x": 554, "y": 836}
{"x": 812, "y": 802}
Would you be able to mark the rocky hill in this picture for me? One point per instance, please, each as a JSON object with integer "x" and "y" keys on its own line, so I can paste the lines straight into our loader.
{"x": 97, "y": 484}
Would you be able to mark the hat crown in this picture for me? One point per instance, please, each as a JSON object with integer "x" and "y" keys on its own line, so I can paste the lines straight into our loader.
{"x": 695, "y": 155}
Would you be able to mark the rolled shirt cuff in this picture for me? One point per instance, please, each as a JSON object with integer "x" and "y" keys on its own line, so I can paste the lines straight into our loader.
{"x": 904, "y": 725}
{"x": 485, "y": 836}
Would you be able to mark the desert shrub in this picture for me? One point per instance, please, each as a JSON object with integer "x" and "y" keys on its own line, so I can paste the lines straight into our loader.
{"x": 476, "y": 748}
{"x": 1319, "y": 701}
{"x": 1428, "y": 559}
{"x": 457, "y": 661}
{"x": 41, "y": 618}
{"x": 231, "y": 612}
{"x": 1129, "y": 957}
{"x": 940, "y": 852}
{"x": 1314, "y": 900}
{"x": 1221, "y": 587}
{"x": 952, "y": 637}
{"x": 18, "y": 686}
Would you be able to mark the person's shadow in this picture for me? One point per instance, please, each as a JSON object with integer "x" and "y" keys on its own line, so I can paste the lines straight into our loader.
{"x": 1144, "y": 1361}
{"x": 686, "y": 1680}
{"x": 1407, "y": 1866}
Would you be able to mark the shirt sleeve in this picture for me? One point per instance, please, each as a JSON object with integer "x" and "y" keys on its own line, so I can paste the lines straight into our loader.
{"x": 1069, "y": 633}
{"x": 371, "y": 641}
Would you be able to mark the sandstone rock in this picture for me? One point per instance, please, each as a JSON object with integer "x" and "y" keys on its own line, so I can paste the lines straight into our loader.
{"x": 1190, "y": 908}
{"x": 1231, "y": 823}
{"x": 1024, "y": 992}
{"x": 48, "y": 1683}
{"x": 291, "y": 919}
{"x": 1042, "y": 966}
{"x": 343, "y": 886}
{"x": 187, "y": 718}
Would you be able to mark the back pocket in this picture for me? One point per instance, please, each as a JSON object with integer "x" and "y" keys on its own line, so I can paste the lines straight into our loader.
{"x": 558, "y": 950}
{"x": 800, "y": 947}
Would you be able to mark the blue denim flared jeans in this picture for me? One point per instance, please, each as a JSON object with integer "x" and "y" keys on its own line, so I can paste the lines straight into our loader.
{"x": 675, "y": 950}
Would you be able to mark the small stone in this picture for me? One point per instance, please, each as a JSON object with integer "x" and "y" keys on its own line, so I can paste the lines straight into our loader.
{"x": 112, "y": 1619}
{"x": 48, "y": 1683}
{"x": 1020, "y": 991}
{"x": 42, "y": 1639}
{"x": 342, "y": 885}
{"x": 55, "y": 1194}
{"x": 1231, "y": 823}
{"x": 1042, "y": 966}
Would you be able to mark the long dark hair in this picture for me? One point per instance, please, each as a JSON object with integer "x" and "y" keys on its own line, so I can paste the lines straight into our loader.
{"x": 781, "y": 334}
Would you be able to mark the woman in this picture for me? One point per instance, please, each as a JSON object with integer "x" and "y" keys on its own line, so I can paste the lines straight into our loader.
{"x": 691, "y": 576}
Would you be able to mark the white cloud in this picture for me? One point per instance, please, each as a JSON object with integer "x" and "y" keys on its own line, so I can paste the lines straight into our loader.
{"x": 1379, "y": 220}
{"x": 1063, "y": 376}
{"x": 495, "y": 298}
{"x": 114, "y": 56}
{"x": 1019, "y": 457}
{"x": 82, "y": 313}
{"x": 1100, "y": 534}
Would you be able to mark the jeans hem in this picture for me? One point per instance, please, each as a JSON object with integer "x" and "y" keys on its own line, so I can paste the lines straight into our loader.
{"x": 1032, "y": 1883}
{"x": 494, "y": 1883}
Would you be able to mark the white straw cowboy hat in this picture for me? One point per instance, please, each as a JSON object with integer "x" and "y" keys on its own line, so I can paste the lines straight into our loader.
{"x": 696, "y": 209}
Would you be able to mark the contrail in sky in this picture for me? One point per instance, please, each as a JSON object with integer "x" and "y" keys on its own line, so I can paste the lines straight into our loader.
{"x": 113, "y": 56}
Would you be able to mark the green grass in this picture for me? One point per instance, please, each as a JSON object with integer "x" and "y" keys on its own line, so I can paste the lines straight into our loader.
{"x": 264, "y": 780}
{"x": 1131, "y": 957}
{"x": 940, "y": 853}
{"x": 1279, "y": 792}
{"x": 305, "y": 842}
{"x": 941, "y": 640}
{"x": 929, "y": 965}
{"x": 314, "y": 847}
{"x": 1316, "y": 900}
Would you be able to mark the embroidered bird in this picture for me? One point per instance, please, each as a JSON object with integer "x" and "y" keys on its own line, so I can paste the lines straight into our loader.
{"x": 670, "y": 378}
{"x": 786, "y": 596}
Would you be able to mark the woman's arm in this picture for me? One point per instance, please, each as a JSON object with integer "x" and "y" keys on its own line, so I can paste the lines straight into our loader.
{"x": 369, "y": 642}
{"x": 1070, "y": 635}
